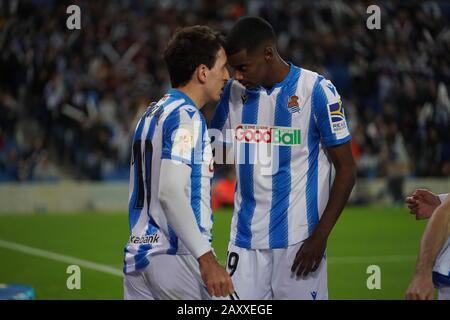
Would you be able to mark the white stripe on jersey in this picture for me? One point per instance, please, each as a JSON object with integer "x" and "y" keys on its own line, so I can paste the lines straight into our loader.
{"x": 261, "y": 190}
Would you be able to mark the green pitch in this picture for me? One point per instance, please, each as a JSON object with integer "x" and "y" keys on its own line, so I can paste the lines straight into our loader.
{"x": 364, "y": 236}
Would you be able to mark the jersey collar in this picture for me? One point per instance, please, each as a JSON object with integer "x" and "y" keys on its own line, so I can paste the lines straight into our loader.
{"x": 283, "y": 82}
{"x": 180, "y": 94}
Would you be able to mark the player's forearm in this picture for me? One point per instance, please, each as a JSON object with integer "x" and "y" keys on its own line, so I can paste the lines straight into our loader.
{"x": 339, "y": 194}
{"x": 175, "y": 203}
{"x": 434, "y": 237}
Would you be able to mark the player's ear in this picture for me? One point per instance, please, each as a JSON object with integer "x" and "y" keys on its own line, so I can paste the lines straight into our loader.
{"x": 201, "y": 73}
{"x": 269, "y": 53}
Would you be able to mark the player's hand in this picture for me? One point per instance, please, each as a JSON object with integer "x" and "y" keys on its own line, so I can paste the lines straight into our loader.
{"x": 420, "y": 288}
{"x": 422, "y": 203}
{"x": 309, "y": 255}
{"x": 215, "y": 277}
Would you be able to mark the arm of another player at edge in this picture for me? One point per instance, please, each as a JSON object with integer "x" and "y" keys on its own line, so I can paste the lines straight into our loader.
{"x": 434, "y": 237}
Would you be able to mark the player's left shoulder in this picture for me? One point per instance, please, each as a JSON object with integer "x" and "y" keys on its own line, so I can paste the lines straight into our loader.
{"x": 329, "y": 89}
{"x": 311, "y": 82}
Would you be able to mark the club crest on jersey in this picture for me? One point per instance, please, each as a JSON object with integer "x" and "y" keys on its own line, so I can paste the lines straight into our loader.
{"x": 183, "y": 141}
{"x": 293, "y": 105}
{"x": 336, "y": 116}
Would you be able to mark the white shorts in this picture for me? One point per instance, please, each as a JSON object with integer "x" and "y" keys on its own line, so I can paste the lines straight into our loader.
{"x": 266, "y": 274}
{"x": 167, "y": 277}
{"x": 444, "y": 293}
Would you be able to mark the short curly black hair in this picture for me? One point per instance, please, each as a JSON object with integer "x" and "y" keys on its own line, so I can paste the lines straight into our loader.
{"x": 188, "y": 48}
{"x": 249, "y": 33}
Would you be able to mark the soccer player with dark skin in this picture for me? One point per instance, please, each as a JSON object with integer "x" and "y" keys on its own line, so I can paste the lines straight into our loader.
{"x": 263, "y": 66}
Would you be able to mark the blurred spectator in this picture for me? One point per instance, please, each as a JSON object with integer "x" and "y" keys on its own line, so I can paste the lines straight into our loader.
{"x": 79, "y": 92}
{"x": 396, "y": 162}
{"x": 223, "y": 190}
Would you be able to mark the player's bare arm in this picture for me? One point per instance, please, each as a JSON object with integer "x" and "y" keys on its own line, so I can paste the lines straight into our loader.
{"x": 215, "y": 277}
{"x": 310, "y": 254}
{"x": 434, "y": 237}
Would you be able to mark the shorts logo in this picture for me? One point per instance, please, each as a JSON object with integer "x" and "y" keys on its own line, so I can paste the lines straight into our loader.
{"x": 150, "y": 239}
{"x": 337, "y": 118}
{"x": 293, "y": 105}
{"x": 264, "y": 134}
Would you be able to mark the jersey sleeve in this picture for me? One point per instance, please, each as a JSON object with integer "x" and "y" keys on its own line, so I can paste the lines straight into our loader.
{"x": 182, "y": 136}
{"x": 329, "y": 113}
{"x": 443, "y": 197}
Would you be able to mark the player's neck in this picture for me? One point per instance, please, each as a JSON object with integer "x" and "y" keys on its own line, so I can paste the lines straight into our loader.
{"x": 195, "y": 94}
{"x": 279, "y": 72}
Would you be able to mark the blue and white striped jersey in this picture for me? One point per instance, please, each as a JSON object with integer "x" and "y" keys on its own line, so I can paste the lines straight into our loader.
{"x": 279, "y": 137}
{"x": 441, "y": 268}
{"x": 172, "y": 129}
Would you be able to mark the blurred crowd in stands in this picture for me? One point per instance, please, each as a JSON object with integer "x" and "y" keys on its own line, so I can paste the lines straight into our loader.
{"x": 69, "y": 99}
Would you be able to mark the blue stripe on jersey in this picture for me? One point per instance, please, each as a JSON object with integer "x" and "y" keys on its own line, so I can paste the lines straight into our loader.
{"x": 319, "y": 102}
{"x": 148, "y": 161}
{"x": 173, "y": 240}
{"x": 319, "y": 105}
{"x": 312, "y": 211}
{"x": 125, "y": 250}
{"x": 140, "y": 258}
{"x": 196, "y": 186}
{"x": 441, "y": 280}
{"x": 281, "y": 181}
{"x": 196, "y": 174}
{"x": 223, "y": 108}
{"x": 133, "y": 213}
{"x": 248, "y": 204}
{"x": 171, "y": 123}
